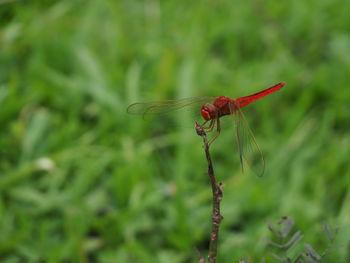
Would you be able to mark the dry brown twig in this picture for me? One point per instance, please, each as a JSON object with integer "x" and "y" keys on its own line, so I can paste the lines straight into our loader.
{"x": 217, "y": 197}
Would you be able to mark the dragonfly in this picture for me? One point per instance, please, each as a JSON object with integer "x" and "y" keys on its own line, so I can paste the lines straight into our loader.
{"x": 211, "y": 109}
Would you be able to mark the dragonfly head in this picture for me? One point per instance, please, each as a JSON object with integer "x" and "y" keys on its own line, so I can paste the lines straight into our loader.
{"x": 209, "y": 111}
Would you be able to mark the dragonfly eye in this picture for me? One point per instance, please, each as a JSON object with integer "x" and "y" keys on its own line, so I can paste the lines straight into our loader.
{"x": 208, "y": 111}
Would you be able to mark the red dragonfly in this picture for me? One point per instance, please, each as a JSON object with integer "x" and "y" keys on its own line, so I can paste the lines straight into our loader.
{"x": 211, "y": 113}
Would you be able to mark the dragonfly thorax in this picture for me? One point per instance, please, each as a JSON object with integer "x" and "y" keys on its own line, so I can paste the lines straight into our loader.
{"x": 209, "y": 111}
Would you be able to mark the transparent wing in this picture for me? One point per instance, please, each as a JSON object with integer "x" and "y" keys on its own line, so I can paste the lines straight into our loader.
{"x": 166, "y": 106}
{"x": 249, "y": 151}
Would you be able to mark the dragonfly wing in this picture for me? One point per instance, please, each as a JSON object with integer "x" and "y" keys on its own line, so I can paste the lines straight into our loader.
{"x": 249, "y": 151}
{"x": 164, "y": 106}
{"x": 167, "y": 106}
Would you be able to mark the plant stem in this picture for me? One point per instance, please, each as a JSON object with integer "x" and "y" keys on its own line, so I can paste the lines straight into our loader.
{"x": 217, "y": 197}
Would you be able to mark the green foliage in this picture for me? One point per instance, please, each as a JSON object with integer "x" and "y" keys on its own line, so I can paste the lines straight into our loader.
{"x": 81, "y": 181}
{"x": 287, "y": 248}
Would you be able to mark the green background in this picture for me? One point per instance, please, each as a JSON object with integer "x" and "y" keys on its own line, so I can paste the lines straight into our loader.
{"x": 82, "y": 181}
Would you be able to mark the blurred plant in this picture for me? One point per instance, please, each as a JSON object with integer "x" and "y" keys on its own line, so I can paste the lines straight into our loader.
{"x": 286, "y": 241}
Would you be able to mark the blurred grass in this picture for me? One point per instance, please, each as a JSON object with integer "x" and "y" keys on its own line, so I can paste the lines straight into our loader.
{"x": 81, "y": 181}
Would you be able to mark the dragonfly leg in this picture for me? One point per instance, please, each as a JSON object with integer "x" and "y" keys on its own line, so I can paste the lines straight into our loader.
{"x": 217, "y": 132}
{"x": 210, "y": 126}
{"x": 203, "y": 124}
